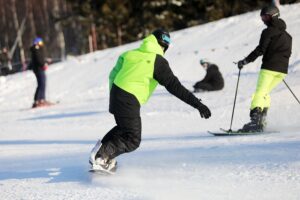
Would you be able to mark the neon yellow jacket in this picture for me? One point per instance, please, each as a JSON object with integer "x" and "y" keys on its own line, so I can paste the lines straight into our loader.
{"x": 134, "y": 70}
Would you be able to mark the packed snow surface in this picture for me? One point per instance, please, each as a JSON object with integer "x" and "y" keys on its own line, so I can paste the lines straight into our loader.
{"x": 44, "y": 152}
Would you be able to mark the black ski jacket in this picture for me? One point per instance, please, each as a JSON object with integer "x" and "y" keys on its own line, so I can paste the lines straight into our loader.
{"x": 37, "y": 58}
{"x": 275, "y": 45}
{"x": 124, "y": 104}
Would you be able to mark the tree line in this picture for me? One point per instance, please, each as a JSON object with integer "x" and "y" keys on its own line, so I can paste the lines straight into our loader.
{"x": 75, "y": 27}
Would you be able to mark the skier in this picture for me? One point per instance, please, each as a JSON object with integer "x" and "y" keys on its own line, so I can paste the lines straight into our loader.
{"x": 132, "y": 81}
{"x": 39, "y": 66}
{"x": 275, "y": 45}
{"x": 213, "y": 79}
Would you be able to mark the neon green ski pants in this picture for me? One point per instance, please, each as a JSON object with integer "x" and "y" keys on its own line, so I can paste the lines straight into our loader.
{"x": 266, "y": 82}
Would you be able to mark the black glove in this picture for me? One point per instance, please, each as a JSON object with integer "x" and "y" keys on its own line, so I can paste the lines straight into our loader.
{"x": 204, "y": 110}
{"x": 241, "y": 63}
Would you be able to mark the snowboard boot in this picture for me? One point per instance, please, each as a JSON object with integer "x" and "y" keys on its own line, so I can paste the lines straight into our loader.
{"x": 105, "y": 165}
{"x": 255, "y": 125}
{"x": 100, "y": 161}
{"x": 94, "y": 152}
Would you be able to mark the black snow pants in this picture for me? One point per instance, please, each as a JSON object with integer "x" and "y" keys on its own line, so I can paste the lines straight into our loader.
{"x": 205, "y": 86}
{"x": 123, "y": 138}
{"x": 41, "y": 85}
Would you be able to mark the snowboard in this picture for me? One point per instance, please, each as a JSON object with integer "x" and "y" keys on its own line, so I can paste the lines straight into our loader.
{"x": 224, "y": 132}
{"x": 101, "y": 172}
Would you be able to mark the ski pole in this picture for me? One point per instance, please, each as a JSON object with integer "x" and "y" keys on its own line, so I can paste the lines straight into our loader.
{"x": 291, "y": 91}
{"x": 237, "y": 85}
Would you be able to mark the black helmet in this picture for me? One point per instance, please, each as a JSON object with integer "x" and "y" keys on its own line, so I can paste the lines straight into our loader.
{"x": 163, "y": 38}
{"x": 271, "y": 10}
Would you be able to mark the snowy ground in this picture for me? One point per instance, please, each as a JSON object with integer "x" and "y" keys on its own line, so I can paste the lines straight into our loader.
{"x": 44, "y": 152}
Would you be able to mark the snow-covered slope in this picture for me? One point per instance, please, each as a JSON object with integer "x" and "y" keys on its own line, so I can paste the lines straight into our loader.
{"x": 44, "y": 152}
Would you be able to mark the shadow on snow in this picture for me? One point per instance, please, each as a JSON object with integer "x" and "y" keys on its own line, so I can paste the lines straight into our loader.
{"x": 64, "y": 115}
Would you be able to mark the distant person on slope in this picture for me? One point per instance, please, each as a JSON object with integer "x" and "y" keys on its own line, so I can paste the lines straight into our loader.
{"x": 39, "y": 66}
{"x": 213, "y": 79}
{"x": 5, "y": 62}
{"x": 275, "y": 45}
{"x": 132, "y": 81}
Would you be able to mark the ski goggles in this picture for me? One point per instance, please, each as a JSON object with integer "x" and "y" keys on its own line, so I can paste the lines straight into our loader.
{"x": 203, "y": 61}
{"x": 166, "y": 39}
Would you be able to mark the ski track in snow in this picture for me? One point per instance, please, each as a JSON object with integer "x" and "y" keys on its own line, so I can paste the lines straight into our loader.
{"x": 44, "y": 152}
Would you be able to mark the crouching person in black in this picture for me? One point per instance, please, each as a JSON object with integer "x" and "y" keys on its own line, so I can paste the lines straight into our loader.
{"x": 213, "y": 79}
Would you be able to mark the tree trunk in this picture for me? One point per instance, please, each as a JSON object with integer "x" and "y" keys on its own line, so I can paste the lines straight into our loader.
{"x": 119, "y": 35}
{"x": 104, "y": 41}
{"x": 60, "y": 34}
{"x": 276, "y": 3}
{"x": 94, "y": 36}
{"x": 31, "y": 19}
{"x": 19, "y": 33}
{"x": 45, "y": 18}
{"x": 4, "y": 24}
{"x": 90, "y": 38}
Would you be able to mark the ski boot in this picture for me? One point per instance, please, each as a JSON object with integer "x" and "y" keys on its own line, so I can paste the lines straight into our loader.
{"x": 38, "y": 103}
{"x": 35, "y": 104}
{"x": 41, "y": 103}
{"x": 44, "y": 102}
{"x": 255, "y": 125}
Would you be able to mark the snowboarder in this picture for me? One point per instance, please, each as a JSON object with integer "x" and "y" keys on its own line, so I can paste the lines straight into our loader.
{"x": 39, "y": 66}
{"x": 275, "y": 45}
{"x": 213, "y": 79}
{"x": 132, "y": 81}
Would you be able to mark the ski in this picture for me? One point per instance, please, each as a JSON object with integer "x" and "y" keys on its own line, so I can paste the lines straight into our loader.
{"x": 48, "y": 104}
{"x": 224, "y": 132}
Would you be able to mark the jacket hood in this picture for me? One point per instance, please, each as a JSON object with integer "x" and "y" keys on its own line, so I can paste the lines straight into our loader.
{"x": 279, "y": 24}
{"x": 151, "y": 45}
